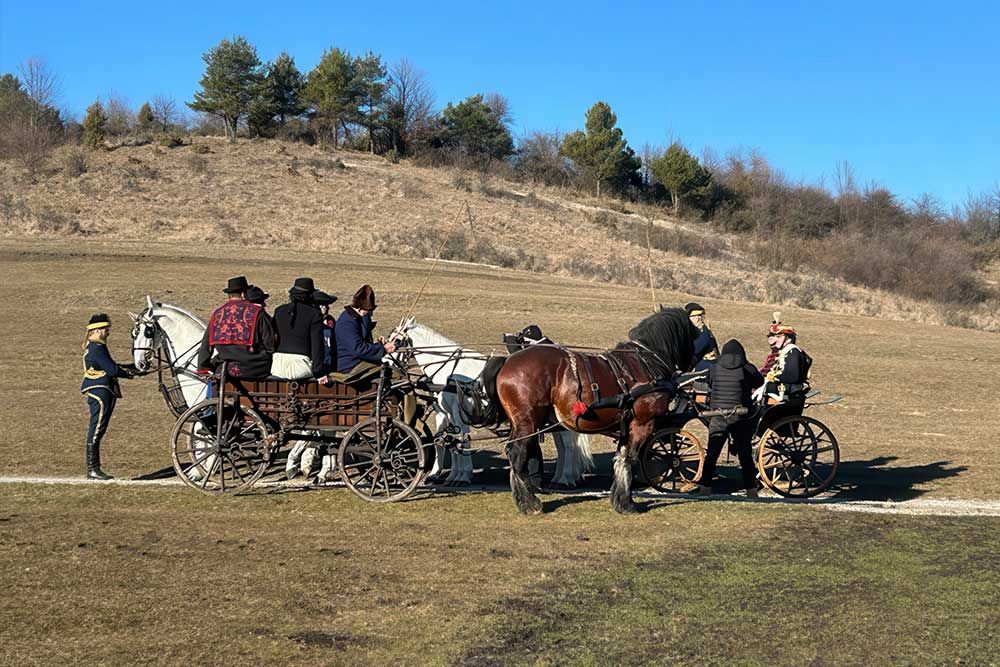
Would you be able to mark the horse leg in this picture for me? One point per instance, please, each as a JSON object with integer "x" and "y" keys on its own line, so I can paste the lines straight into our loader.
{"x": 621, "y": 487}
{"x": 294, "y": 456}
{"x": 557, "y": 476}
{"x": 434, "y": 476}
{"x": 517, "y": 453}
{"x": 585, "y": 460}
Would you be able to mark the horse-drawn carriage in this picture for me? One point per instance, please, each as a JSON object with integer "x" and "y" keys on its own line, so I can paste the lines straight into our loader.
{"x": 797, "y": 456}
{"x": 374, "y": 422}
{"x": 380, "y": 428}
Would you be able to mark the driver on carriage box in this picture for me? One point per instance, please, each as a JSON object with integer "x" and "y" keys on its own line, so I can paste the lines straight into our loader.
{"x": 356, "y": 348}
{"x": 239, "y": 333}
{"x": 706, "y": 349}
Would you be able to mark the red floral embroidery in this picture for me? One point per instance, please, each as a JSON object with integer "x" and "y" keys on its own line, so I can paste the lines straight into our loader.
{"x": 233, "y": 323}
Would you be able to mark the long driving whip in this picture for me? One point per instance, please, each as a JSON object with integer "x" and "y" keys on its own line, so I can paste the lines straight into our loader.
{"x": 649, "y": 263}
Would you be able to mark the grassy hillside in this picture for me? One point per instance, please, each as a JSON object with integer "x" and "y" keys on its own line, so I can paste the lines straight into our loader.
{"x": 271, "y": 194}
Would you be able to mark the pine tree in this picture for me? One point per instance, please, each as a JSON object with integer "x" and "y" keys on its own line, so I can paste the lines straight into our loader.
{"x": 681, "y": 174}
{"x": 474, "y": 128}
{"x": 602, "y": 151}
{"x": 231, "y": 81}
{"x": 283, "y": 86}
{"x": 93, "y": 125}
{"x": 370, "y": 84}
{"x": 331, "y": 91}
{"x": 145, "y": 118}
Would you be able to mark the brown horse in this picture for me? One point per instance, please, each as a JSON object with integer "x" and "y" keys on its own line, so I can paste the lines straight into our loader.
{"x": 546, "y": 384}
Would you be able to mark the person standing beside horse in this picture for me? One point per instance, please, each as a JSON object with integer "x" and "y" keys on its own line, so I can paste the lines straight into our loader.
{"x": 732, "y": 380}
{"x": 299, "y": 324}
{"x": 100, "y": 386}
{"x": 239, "y": 333}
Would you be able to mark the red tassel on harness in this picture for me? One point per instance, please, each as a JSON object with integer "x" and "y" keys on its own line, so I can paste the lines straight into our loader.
{"x": 579, "y": 409}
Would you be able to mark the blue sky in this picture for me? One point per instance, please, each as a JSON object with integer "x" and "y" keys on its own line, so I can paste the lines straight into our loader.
{"x": 908, "y": 92}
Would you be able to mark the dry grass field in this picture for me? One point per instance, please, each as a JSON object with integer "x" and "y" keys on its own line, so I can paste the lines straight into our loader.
{"x": 271, "y": 194}
{"x": 161, "y": 575}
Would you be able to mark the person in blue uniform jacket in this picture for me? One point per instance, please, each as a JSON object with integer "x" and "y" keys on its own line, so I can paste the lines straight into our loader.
{"x": 100, "y": 386}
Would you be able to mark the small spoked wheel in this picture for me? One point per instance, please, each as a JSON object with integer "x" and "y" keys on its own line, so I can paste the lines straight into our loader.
{"x": 381, "y": 460}
{"x": 226, "y": 455}
{"x": 671, "y": 459}
{"x": 797, "y": 457}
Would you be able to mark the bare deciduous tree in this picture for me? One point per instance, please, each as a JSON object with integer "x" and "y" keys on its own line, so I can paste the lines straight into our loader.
{"x": 41, "y": 85}
{"x": 500, "y": 106}
{"x": 410, "y": 104}
{"x": 164, "y": 111}
{"x": 121, "y": 118}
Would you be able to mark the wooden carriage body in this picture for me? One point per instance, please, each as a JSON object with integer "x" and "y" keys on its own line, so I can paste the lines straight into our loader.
{"x": 306, "y": 404}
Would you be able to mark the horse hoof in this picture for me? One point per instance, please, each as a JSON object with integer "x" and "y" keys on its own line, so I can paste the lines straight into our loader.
{"x": 291, "y": 473}
{"x": 627, "y": 509}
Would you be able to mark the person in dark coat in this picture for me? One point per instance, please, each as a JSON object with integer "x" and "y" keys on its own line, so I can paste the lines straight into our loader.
{"x": 733, "y": 380}
{"x": 787, "y": 375}
{"x": 324, "y": 301}
{"x": 239, "y": 333}
{"x": 355, "y": 342}
{"x": 100, "y": 386}
{"x": 299, "y": 324}
{"x": 706, "y": 349}
{"x": 257, "y": 295}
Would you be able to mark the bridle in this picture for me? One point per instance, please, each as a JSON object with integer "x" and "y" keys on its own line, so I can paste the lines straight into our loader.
{"x": 153, "y": 332}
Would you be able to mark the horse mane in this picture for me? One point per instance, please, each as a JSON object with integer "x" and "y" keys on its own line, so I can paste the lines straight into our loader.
{"x": 669, "y": 333}
{"x": 433, "y": 336}
{"x": 184, "y": 312}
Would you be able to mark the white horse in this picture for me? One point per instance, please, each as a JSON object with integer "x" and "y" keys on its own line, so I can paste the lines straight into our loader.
{"x": 176, "y": 333}
{"x": 442, "y": 359}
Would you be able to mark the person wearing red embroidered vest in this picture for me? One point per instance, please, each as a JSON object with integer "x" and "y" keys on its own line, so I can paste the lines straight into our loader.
{"x": 239, "y": 333}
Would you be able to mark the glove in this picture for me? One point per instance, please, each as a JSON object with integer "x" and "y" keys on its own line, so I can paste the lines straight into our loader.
{"x": 127, "y": 371}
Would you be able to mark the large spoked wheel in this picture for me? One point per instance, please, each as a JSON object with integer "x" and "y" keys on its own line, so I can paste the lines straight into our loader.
{"x": 382, "y": 460}
{"x": 797, "y": 457}
{"x": 671, "y": 459}
{"x": 218, "y": 460}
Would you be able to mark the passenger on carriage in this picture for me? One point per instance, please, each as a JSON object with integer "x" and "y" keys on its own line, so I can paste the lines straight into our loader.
{"x": 324, "y": 301}
{"x": 787, "y": 368}
{"x": 706, "y": 349}
{"x": 239, "y": 333}
{"x": 356, "y": 347}
{"x": 258, "y": 296}
{"x": 299, "y": 324}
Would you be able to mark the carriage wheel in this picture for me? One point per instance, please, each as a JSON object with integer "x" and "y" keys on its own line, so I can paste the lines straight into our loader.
{"x": 797, "y": 456}
{"x": 381, "y": 473}
{"x": 671, "y": 459}
{"x": 229, "y": 463}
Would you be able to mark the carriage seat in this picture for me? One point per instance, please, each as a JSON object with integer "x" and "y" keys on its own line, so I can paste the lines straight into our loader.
{"x": 356, "y": 375}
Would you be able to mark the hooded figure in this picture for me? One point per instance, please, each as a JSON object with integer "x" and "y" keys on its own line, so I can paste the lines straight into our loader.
{"x": 732, "y": 380}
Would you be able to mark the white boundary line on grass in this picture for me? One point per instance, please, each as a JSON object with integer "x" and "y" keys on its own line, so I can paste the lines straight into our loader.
{"x": 916, "y": 506}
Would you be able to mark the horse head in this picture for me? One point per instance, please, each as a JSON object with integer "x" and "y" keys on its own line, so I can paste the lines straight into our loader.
{"x": 145, "y": 336}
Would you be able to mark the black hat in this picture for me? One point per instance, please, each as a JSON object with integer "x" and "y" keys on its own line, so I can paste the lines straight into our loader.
{"x": 321, "y": 298}
{"x": 694, "y": 309}
{"x": 364, "y": 298}
{"x": 237, "y": 285}
{"x": 302, "y": 286}
{"x": 257, "y": 295}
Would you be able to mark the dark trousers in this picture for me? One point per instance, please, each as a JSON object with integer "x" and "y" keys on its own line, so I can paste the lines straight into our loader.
{"x": 102, "y": 404}
{"x": 741, "y": 431}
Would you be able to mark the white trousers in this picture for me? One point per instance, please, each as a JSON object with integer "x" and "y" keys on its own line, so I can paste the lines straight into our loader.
{"x": 291, "y": 366}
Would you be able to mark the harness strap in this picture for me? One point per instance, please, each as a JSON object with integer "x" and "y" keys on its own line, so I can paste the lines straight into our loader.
{"x": 595, "y": 387}
{"x": 617, "y": 371}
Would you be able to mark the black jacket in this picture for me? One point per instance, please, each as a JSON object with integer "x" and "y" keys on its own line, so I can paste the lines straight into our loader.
{"x": 300, "y": 331}
{"x": 733, "y": 378}
{"x": 793, "y": 374}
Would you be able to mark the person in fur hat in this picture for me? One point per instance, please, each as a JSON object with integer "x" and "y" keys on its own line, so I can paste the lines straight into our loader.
{"x": 353, "y": 332}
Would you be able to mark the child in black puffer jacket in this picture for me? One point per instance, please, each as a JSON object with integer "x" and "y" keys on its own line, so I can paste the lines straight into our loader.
{"x": 732, "y": 380}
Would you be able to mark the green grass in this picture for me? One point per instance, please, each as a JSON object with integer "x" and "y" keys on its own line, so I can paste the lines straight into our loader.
{"x": 118, "y": 575}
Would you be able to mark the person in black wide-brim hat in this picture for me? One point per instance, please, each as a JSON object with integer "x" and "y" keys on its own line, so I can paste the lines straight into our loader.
{"x": 299, "y": 323}
{"x": 240, "y": 334}
{"x": 100, "y": 386}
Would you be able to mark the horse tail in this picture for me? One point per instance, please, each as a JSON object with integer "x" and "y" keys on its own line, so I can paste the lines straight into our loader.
{"x": 582, "y": 444}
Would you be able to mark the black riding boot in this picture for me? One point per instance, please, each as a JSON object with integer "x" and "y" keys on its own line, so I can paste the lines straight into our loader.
{"x": 94, "y": 463}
